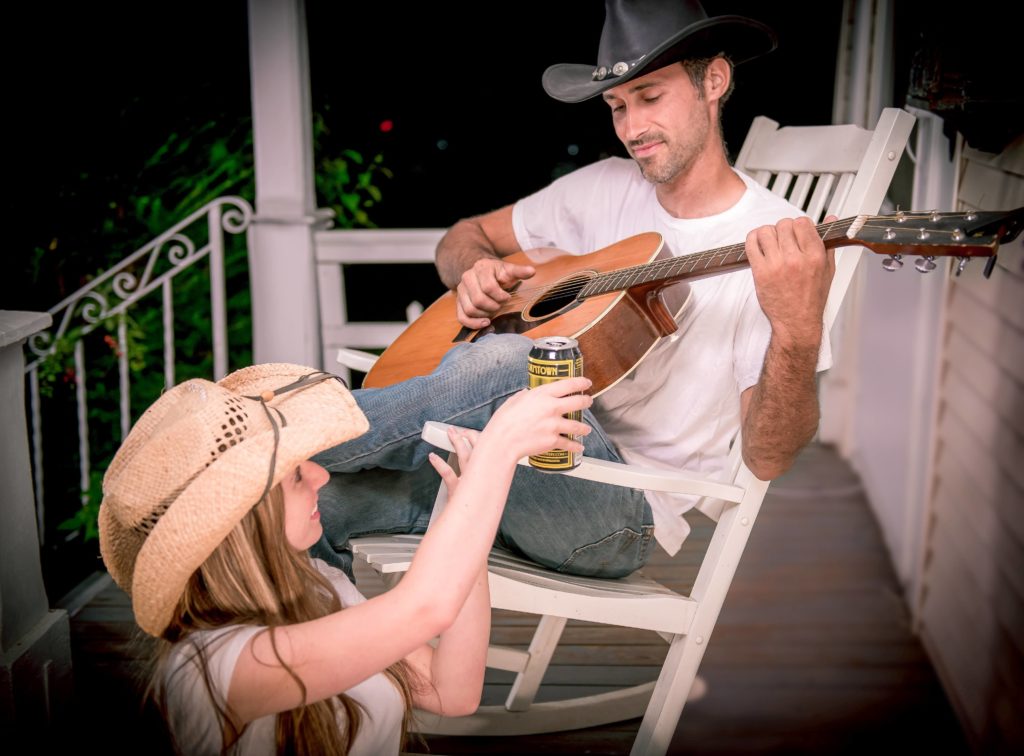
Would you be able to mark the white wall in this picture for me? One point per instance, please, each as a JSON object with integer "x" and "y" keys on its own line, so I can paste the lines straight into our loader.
{"x": 970, "y": 609}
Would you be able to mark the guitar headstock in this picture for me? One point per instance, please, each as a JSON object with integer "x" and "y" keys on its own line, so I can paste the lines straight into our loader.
{"x": 934, "y": 234}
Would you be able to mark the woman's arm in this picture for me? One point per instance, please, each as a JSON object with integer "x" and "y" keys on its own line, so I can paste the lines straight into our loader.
{"x": 454, "y": 671}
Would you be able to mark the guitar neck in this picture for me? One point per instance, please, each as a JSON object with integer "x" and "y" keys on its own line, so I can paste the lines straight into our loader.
{"x": 702, "y": 264}
{"x": 932, "y": 234}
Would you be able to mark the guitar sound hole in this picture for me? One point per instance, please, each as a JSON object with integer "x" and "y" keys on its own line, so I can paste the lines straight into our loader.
{"x": 559, "y": 297}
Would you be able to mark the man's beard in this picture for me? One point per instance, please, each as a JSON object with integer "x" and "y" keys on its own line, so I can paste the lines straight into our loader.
{"x": 665, "y": 170}
{"x": 678, "y": 158}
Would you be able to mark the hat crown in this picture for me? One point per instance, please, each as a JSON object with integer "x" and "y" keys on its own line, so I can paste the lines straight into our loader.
{"x": 632, "y": 28}
{"x": 640, "y": 36}
{"x": 180, "y": 435}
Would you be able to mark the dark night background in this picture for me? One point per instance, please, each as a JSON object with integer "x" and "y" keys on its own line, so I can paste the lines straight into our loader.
{"x": 102, "y": 85}
{"x": 98, "y": 88}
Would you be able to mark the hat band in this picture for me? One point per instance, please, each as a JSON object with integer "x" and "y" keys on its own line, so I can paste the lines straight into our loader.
{"x": 311, "y": 379}
{"x": 618, "y": 69}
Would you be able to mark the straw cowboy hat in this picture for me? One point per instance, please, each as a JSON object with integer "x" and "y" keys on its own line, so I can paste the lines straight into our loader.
{"x": 201, "y": 457}
{"x": 640, "y": 36}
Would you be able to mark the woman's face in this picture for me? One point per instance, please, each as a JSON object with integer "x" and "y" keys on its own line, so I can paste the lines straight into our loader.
{"x": 302, "y": 526}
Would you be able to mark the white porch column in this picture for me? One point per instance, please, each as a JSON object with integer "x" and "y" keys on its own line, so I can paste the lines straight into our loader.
{"x": 35, "y": 642}
{"x": 864, "y": 68}
{"x": 863, "y": 88}
{"x": 286, "y": 325}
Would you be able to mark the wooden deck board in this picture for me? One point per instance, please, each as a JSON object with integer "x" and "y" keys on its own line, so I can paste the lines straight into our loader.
{"x": 813, "y": 651}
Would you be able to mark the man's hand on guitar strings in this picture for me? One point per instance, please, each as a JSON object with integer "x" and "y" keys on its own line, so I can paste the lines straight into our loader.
{"x": 484, "y": 288}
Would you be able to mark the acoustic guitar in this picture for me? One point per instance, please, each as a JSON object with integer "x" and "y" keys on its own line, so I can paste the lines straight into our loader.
{"x": 620, "y": 300}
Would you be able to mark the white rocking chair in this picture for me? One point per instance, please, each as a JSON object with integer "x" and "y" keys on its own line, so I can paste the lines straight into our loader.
{"x": 842, "y": 170}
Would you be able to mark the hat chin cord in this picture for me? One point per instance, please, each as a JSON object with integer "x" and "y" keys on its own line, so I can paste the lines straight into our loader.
{"x": 264, "y": 397}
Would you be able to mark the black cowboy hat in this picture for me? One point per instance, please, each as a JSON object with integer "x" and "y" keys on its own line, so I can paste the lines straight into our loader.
{"x": 633, "y": 42}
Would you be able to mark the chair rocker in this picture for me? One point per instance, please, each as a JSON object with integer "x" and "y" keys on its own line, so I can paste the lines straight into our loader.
{"x": 842, "y": 170}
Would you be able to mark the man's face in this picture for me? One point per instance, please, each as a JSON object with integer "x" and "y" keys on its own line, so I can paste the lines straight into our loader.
{"x": 661, "y": 121}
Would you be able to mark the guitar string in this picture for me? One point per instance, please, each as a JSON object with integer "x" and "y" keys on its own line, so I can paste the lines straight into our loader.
{"x": 656, "y": 268}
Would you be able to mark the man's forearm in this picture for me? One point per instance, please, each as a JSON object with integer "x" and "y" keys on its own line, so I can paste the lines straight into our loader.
{"x": 463, "y": 245}
{"x": 783, "y": 412}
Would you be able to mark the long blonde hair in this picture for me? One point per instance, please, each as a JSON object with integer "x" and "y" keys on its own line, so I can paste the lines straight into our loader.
{"x": 255, "y": 578}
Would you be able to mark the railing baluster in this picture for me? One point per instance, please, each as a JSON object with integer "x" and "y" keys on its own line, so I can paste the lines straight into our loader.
{"x": 83, "y": 423}
{"x": 217, "y": 295}
{"x": 122, "y": 374}
{"x": 168, "y": 304}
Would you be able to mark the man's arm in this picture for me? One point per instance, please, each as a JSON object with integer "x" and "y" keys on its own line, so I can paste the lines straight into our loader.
{"x": 792, "y": 274}
{"x": 468, "y": 260}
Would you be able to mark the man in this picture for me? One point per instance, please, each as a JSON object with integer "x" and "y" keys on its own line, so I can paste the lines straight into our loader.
{"x": 745, "y": 354}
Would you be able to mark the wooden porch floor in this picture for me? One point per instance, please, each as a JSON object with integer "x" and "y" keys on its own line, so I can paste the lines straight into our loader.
{"x": 813, "y": 651}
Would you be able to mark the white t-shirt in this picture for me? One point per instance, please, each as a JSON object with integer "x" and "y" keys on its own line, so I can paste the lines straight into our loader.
{"x": 680, "y": 408}
{"x": 194, "y": 723}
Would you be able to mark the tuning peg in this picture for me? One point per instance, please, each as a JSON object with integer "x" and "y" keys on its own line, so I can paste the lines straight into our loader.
{"x": 961, "y": 263}
{"x": 893, "y": 262}
{"x": 925, "y": 264}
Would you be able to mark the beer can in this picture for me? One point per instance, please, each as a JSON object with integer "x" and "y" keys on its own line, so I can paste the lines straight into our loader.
{"x": 553, "y": 358}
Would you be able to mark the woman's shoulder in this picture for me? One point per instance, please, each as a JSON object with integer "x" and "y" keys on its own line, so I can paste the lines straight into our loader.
{"x": 217, "y": 642}
{"x": 347, "y": 591}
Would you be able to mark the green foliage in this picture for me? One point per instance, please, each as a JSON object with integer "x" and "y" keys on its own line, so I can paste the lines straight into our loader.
{"x": 184, "y": 173}
{"x": 346, "y": 183}
{"x": 85, "y": 522}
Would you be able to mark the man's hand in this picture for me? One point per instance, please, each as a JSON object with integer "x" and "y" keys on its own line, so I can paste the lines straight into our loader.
{"x": 483, "y": 289}
{"x": 792, "y": 274}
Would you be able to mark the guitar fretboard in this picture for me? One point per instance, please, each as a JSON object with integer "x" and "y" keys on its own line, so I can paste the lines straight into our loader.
{"x": 708, "y": 262}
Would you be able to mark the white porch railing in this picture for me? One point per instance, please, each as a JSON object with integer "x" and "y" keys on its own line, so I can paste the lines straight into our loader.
{"x": 110, "y": 296}
{"x": 338, "y": 249}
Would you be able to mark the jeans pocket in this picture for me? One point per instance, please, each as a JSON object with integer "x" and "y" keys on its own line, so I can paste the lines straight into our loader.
{"x": 615, "y": 555}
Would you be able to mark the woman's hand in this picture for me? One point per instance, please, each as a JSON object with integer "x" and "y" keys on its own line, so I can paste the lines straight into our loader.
{"x": 462, "y": 441}
{"x": 533, "y": 420}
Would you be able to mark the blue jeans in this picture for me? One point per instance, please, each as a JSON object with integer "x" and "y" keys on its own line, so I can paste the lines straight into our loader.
{"x": 381, "y": 482}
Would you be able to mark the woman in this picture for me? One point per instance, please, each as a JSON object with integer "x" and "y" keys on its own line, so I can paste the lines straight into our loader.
{"x": 209, "y": 506}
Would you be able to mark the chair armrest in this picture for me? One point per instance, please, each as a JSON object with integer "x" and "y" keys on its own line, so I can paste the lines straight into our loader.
{"x": 617, "y": 473}
{"x": 354, "y": 359}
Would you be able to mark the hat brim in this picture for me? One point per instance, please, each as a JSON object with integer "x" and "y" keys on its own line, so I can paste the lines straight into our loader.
{"x": 213, "y": 503}
{"x": 740, "y": 38}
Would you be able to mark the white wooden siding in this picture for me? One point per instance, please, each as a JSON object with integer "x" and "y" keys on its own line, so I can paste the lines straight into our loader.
{"x": 971, "y": 607}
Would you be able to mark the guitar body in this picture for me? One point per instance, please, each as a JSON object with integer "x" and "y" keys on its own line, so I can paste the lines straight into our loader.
{"x": 615, "y": 331}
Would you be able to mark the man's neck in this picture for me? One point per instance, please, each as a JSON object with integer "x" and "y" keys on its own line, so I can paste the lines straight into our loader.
{"x": 709, "y": 187}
